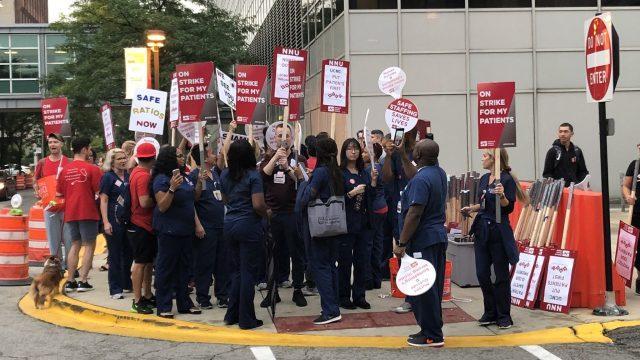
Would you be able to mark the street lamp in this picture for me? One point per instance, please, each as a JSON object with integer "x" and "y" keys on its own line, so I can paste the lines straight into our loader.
{"x": 155, "y": 40}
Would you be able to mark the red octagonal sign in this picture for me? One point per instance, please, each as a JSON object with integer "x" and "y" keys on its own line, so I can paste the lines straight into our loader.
{"x": 599, "y": 58}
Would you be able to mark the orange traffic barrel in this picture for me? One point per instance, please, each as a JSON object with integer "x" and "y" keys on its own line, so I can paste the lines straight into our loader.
{"x": 20, "y": 184}
{"x": 28, "y": 181}
{"x": 38, "y": 244}
{"x": 14, "y": 250}
{"x": 394, "y": 267}
{"x": 5, "y": 211}
{"x": 446, "y": 291}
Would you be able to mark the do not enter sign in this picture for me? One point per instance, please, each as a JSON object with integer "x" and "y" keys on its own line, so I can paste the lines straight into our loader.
{"x": 599, "y": 58}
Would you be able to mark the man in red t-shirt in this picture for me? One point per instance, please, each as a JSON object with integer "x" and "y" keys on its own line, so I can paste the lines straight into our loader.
{"x": 78, "y": 184}
{"x": 52, "y": 166}
{"x": 140, "y": 232}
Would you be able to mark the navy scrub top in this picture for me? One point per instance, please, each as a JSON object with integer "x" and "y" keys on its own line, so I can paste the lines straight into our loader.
{"x": 210, "y": 210}
{"x": 238, "y": 194}
{"x": 117, "y": 190}
{"x": 179, "y": 219}
{"x": 357, "y": 206}
{"x": 428, "y": 188}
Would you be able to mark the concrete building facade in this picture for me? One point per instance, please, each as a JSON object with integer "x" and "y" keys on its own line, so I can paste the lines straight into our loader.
{"x": 446, "y": 48}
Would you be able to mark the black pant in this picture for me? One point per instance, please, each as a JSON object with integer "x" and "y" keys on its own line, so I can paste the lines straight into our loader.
{"x": 427, "y": 308}
{"x": 204, "y": 254}
{"x": 377, "y": 247}
{"x": 497, "y": 296}
{"x": 354, "y": 252}
{"x": 285, "y": 234}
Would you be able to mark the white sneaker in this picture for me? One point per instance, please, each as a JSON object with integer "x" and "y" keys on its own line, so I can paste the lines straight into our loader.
{"x": 310, "y": 291}
{"x": 403, "y": 309}
{"x": 262, "y": 286}
{"x": 117, "y": 296}
{"x": 285, "y": 284}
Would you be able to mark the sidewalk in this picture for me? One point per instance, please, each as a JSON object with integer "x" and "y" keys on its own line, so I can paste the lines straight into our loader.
{"x": 460, "y": 314}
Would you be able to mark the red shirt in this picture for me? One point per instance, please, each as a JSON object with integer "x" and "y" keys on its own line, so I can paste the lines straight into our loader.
{"x": 139, "y": 186}
{"x": 46, "y": 167}
{"x": 78, "y": 183}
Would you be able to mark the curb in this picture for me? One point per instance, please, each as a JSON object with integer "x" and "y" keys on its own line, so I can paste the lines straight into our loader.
{"x": 78, "y": 315}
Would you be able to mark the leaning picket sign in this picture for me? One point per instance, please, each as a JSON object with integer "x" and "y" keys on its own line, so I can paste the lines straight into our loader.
{"x": 626, "y": 251}
{"x": 107, "y": 124}
{"x": 297, "y": 77}
{"x": 147, "y": 111}
{"x": 226, "y": 88}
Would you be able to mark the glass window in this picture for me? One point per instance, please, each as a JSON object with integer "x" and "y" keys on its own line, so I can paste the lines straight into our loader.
{"x": 55, "y": 40}
{"x": 4, "y": 41}
{"x": 620, "y": 2}
{"x": 52, "y": 68}
{"x": 24, "y": 71}
{"x": 319, "y": 23}
{"x": 57, "y": 56}
{"x": 432, "y": 4}
{"x": 4, "y": 86}
{"x": 4, "y": 56}
{"x": 24, "y": 41}
{"x": 566, "y": 3}
{"x": 326, "y": 10}
{"x": 373, "y": 4}
{"x": 4, "y": 71}
{"x": 305, "y": 30}
{"x": 24, "y": 55}
{"x": 25, "y": 86}
{"x": 500, "y": 3}
{"x": 338, "y": 8}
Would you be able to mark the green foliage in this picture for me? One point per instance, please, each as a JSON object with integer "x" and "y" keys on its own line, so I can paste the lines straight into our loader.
{"x": 98, "y": 31}
{"x": 18, "y": 133}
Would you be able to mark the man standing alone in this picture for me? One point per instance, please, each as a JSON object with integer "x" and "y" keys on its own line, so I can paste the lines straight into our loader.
{"x": 565, "y": 160}
{"x": 423, "y": 236}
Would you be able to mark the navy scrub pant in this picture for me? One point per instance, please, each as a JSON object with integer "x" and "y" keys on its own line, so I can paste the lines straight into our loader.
{"x": 119, "y": 258}
{"x": 288, "y": 245}
{"x": 427, "y": 308}
{"x": 204, "y": 251}
{"x": 323, "y": 254}
{"x": 221, "y": 274}
{"x": 244, "y": 239}
{"x": 354, "y": 251}
{"x": 172, "y": 271}
{"x": 376, "y": 249}
{"x": 496, "y": 296}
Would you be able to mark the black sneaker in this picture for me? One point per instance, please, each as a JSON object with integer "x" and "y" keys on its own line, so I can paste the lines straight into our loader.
{"x": 298, "y": 298}
{"x": 84, "y": 286}
{"x": 166, "y": 315}
{"x": 504, "y": 325}
{"x": 258, "y": 324}
{"x": 413, "y": 336}
{"x": 486, "y": 320}
{"x": 71, "y": 286}
{"x": 150, "y": 301}
{"x": 423, "y": 341}
{"x": 206, "y": 305}
{"x": 324, "y": 320}
{"x": 347, "y": 304}
{"x": 223, "y": 303}
{"x": 140, "y": 307}
{"x": 362, "y": 304}
{"x": 192, "y": 310}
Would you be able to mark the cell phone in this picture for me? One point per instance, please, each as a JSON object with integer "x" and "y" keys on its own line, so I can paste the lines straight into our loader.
{"x": 176, "y": 172}
{"x": 397, "y": 136}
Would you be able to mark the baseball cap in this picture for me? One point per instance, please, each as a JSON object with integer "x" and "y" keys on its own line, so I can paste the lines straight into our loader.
{"x": 55, "y": 136}
{"x": 146, "y": 150}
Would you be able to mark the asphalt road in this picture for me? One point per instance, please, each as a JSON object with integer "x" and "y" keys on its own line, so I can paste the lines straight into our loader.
{"x": 22, "y": 337}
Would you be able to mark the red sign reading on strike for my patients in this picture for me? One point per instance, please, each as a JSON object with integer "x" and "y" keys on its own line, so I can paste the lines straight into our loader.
{"x": 55, "y": 115}
{"x": 251, "y": 93}
{"x": 599, "y": 58}
{"x": 297, "y": 77}
{"x": 196, "y": 93}
{"x": 496, "y": 115}
{"x": 335, "y": 86}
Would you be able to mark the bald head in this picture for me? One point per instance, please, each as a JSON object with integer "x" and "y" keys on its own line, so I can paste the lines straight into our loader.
{"x": 426, "y": 152}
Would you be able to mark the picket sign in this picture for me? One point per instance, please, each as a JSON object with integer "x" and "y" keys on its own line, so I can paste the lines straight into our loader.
{"x": 416, "y": 276}
{"x": 626, "y": 251}
{"x": 559, "y": 279}
{"x": 521, "y": 276}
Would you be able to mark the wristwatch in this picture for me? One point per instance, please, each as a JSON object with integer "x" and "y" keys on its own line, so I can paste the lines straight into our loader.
{"x": 171, "y": 191}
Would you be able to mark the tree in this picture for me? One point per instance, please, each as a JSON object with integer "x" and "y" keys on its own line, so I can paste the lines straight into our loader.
{"x": 18, "y": 132}
{"x": 98, "y": 31}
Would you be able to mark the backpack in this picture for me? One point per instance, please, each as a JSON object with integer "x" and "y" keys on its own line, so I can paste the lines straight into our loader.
{"x": 558, "y": 150}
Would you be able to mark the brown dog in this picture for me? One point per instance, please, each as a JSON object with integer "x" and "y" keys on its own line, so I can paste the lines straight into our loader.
{"x": 46, "y": 285}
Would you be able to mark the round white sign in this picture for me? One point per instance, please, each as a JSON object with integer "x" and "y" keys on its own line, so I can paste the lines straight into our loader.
{"x": 391, "y": 81}
{"x": 401, "y": 114}
{"x": 274, "y": 139}
{"x": 416, "y": 276}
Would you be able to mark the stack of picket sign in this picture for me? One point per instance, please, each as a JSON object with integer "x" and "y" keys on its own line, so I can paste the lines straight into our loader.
{"x": 462, "y": 191}
{"x": 543, "y": 275}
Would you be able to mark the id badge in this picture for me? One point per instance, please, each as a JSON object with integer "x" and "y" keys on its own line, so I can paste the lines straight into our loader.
{"x": 217, "y": 194}
{"x": 120, "y": 200}
{"x": 118, "y": 183}
{"x": 399, "y": 209}
{"x": 483, "y": 201}
{"x": 278, "y": 177}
